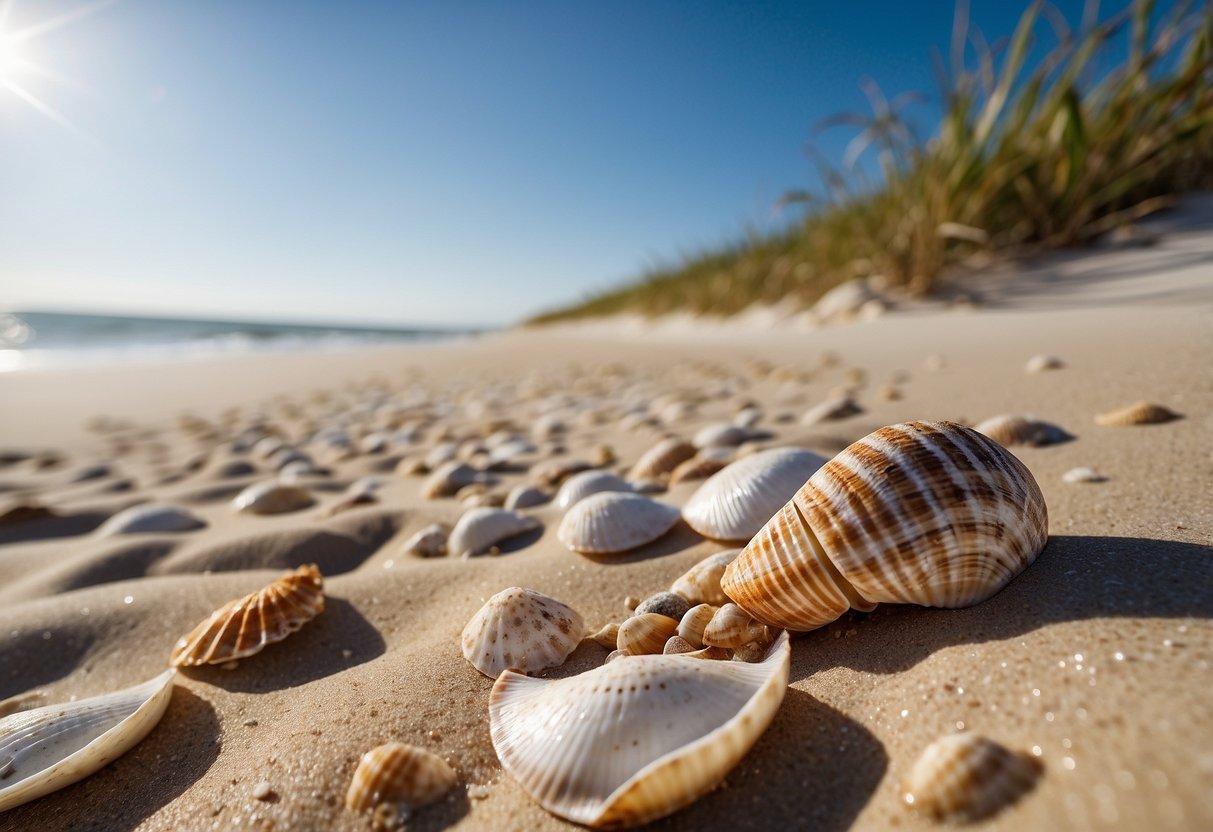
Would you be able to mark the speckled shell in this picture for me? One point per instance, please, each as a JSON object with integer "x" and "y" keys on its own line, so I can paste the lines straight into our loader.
{"x": 612, "y": 522}
{"x": 735, "y": 503}
{"x": 928, "y": 513}
{"x": 966, "y": 777}
{"x": 1141, "y": 413}
{"x": 271, "y": 498}
{"x": 521, "y": 629}
{"x": 480, "y": 528}
{"x": 645, "y": 633}
{"x": 1022, "y": 430}
{"x": 579, "y": 486}
{"x": 731, "y": 627}
{"x": 151, "y": 518}
{"x": 396, "y": 773}
{"x": 47, "y": 748}
{"x": 658, "y": 461}
{"x": 638, "y": 738}
{"x": 676, "y": 645}
{"x": 245, "y": 626}
{"x": 701, "y": 583}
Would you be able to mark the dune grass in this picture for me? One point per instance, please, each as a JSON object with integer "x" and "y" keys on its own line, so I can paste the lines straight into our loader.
{"x": 1107, "y": 127}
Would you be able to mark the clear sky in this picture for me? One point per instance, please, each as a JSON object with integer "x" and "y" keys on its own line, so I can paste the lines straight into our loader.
{"x": 415, "y": 162}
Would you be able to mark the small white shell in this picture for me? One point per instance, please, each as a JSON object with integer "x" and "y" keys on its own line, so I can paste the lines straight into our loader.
{"x": 521, "y": 629}
{"x": 1042, "y": 363}
{"x": 613, "y": 522}
{"x": 508, "y": 452}
{"x": 448, "y": 478}
{"x": 966, "y": 777}
{"x": 579, "y": 486}
{"x": 721, "y": 435}
{"x": 1022, "y": 430}
{"x": 738, "y": 501}
{"x": 481, "y": 528}
{"x": 638, "y": 738}
{"x": 271, "y": 498}
{"x": 399, "y": 774}
{"x": 441, "y": 454}
{"x": 430, "y": 542}
{"x": 525, "y": 496}
{"x": 701, "y": 583}
{"x": 54, "y": 746}
{"x": 1083, "y": 475}
{"x": 151, "y": 518}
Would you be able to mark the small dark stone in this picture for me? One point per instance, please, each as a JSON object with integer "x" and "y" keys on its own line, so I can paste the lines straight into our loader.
{"x": 665, "y": 603}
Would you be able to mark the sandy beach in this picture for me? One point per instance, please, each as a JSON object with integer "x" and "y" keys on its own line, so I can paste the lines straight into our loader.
{"x": 1097, "y": 657}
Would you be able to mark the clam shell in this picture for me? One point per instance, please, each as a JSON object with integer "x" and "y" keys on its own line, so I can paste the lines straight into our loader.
{"x": 735, "y": 503}
{"x": 612, "y": 522}
{"x": 731, "y": 627}
{"x": 633, "y": 740}
{"x": 151, "y": 518}
{"x": 271, "y": 498}
{"x": 695, "y": 621}
{"x": 1140, "y": 413}
{"x": 658, "y": 461}
{"x": 448, "y": 478}
{"x": 579, "y": 486}
{"x": 396, "y": 773}
{"x": 245, "y": 626}
{"x": 478, "y": 529}
{"x": 701, "y": 583}
{"x": 47, "y": 748}
{"x": 525, "y": 496}
{"x": 645, "y": 633}
{"x": 430, "y": 542}
{"x": 966, "y": 777}
{"x": 521, "y": 629}
{"x": 928, "y": 513}
{"x": 1022, "y": 430}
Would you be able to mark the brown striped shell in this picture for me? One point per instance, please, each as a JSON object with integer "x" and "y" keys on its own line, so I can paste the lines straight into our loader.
{"x": 966, "y": 777}
{"x": 400, "y": 775}
{"x": 929, "y": 513}
{"x": 645, "y": 633}
{"x": 243, "y": 627}
{"x": 1140, "y": 413}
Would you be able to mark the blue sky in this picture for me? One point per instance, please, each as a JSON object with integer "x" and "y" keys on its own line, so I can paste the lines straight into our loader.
{"x": 417, "y": 162}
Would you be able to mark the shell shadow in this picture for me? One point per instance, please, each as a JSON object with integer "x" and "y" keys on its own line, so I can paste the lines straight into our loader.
{"x": 316, "y": 651}
{"x": 811, "y": 756}
{"x": 30, "y": 664}
{"x": 1075, "y": 578}
{"x": 47, "y": 528}
{"x": 443, "y": 814}
{"x": 519, "y": 542}
{"x": 178, "y": 751}
{"x": 680, "y": 537}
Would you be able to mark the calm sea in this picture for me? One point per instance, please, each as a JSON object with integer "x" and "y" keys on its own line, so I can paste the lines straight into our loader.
{"x": 42, "y": 340}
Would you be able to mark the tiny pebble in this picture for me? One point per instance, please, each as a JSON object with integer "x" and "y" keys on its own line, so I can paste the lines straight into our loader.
{"x": 478, "y": 791}
{"x": 249, "y": 723}
{"x": 262, "y": 790}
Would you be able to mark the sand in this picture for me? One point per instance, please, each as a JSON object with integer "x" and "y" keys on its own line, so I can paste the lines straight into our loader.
{"x": 1097, "y": 656}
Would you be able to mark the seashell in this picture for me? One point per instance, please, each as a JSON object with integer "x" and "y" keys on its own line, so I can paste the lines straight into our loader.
{"x": 731, "y": 627}
{"x": 1022, "y": 430}
{"x": 525, "y": 496}
{"x": 548, "y": 426}
{"x": 701, "y": 466}
{"x": 271, "y": 498}
{"x": 608, "y": 636}
{"x": 701, "y": 583}
{"x": 748, "y": 417}
{"x": 361, "y": 492}
{"x": 1140, "y": 413}
{"x": 374, "y": 443}
{"x": 509, "y": 452}
{"x": 478, "y": 529}
{"x": 658, "y": 461}
{"x": 411, "y": 467}
{"x": 289, "y": 456}
{"x": 665, "y": 603}
{"x": 929, "y": 513}
{"x": 151, "y": 518}
{"x": 245, "y": 626}
{"x": 677, "y": 645}
{"x": 966, "y": 777}
{"x": 47, "y": 748}
{"x": 1042, "y": 363}
{"x": 612, "y": 522}
{"x": 441, "y": 454}
{"x": 430, "y": 542}
{"x": 521, "y": 629}
{"x": 694, "y": 622}
{"x": 579, "y": 486}
{"x": 553, "y": 472}
{"x": 720, "y": 435}
{"x": 640, "y": 738}
{"x": 448, "y": 478}
{"x": 645, "y": 633}
{"x": 1083, "y": 475}
{"x": 889, "y": 393}
{"x": 398, "y": 775}
{"x": 735, "y": 503}
{"x": 603, "y": 455}
{"x": 831, "y": 410}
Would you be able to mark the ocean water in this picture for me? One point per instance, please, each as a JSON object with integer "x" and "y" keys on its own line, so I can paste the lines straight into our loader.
{"x": 49, "y": 340}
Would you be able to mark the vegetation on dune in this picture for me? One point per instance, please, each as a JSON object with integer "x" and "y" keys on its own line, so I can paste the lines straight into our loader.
{"x": 1026, "y": 155}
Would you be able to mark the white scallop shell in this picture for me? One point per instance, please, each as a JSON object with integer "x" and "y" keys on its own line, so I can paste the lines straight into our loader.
{"x": 580, "y": 486}
{"x": 521, "y": 629}
{"x": 734, "y": 503}
{"x": 54, "y": 746}
{"x": 507, "y": 452}
{"x": 634, "y": 740}
{"x": 481, "y": 528}
{"x": 151, "y": 518}
{"x": 613, "y": 522}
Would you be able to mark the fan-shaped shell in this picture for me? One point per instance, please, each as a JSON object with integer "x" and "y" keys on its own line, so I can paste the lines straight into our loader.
{"x": 245, "y": 626}
{"x": 928, "y": 513}
{"x": 613, "y": 522}
{"x": 151, "y": 518}
{"x": 966, "y": 777}
{"x": 1140, "y": 413}
{"x": 47, "y": 748}
{"x": 735, "y": 503}
{"x": 701, "y": 583}
{"x": 1022, "y": 430}
{"x": 637, "y": 739}
{"x": 579, "y": 486}
{"x": 521, "y": 629}
{"x": 271, "y": 497}
{"x": 397, "y": 773}
{"x": 645, "y": 633}
{"x": 658, "y": 461}
{"x": 478, "y": 529}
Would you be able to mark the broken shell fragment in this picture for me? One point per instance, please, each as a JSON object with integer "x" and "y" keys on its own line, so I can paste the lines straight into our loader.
{"x": 271, "y": 498}
{"x": 701, "y": 583}
{"x": 247, "y": 625}
{"x": 1141, "y": 413}
{"x": 521, "y": 629}
{"x": 151, "y": 518}
{"x": 638, "y": 738}
{"x": 645, "y": 633}
{"x": 47, "y": 748}
{"x": 479, "y": 529}
{"x": 608, "y": 636}
{"x": 1022, "y": 430}
{"x": 579, "y": 486}
{"x": 613, "y": 522}
{"x": 403, "y": 776}
{"x": 966, "y": 777}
